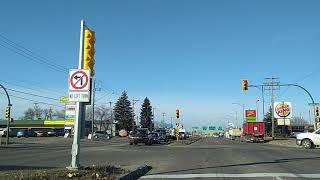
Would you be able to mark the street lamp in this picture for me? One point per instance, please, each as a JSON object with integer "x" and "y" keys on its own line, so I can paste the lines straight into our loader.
{"x": 242, "y": 110}
{"x": 257, "y": 109}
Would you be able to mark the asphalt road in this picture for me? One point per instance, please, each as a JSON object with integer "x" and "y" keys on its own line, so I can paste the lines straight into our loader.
{"x": 207, "y": 158}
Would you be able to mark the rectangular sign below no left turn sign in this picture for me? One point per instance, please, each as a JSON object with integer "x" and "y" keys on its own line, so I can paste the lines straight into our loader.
{"x": 79, "y": 96}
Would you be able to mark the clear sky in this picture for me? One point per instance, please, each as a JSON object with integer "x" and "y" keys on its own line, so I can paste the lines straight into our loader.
{"x": 189, "y": 54}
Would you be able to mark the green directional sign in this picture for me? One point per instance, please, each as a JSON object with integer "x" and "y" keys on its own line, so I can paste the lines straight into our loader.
{"x": 212, "y": 128}
{"x": 195, "y": 127}
{"x": 204, "y": 128}
{"x": 220, "y": 128}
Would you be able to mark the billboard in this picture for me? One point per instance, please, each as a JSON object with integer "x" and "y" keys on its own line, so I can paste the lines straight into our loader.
{"x": 251, "y": 115}
{"x": 282, "y": 110}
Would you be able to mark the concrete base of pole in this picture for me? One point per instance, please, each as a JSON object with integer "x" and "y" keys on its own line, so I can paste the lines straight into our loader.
{"x": 72, "y": 168}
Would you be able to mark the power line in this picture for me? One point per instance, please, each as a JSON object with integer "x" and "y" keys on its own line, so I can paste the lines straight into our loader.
{"x": 40, "y": 102}
{"x": 44, "y": 90}
{"x": 32, "y": 59}
{"x": 46, "y": 97}
{"x": 32, "y": 56}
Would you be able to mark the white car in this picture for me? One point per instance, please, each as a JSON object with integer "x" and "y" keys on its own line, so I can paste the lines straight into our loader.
{"x": 309, "y": 140}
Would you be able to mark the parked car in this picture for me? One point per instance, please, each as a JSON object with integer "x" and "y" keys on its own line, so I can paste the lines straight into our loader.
{"x": 153, "y": 138}
{"x": 12, "y": 133}
{"x": 136, "y": 137}
{"x": 309, "y": 140}
{"x": 40, "y": 133}
{"x": 101, "y": 135}
{"x": 164, "y": 136}
{"x": 52, "y": 132}
{"x": 60, "y": 132}
{"x": 26, "y": 133}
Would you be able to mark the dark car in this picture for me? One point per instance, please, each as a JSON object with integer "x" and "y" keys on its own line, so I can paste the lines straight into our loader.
{"x": 153, "y": 138}
{"x": 60, "y": 132}
{"x": 164, "y": 135}
{"x": 52, "y": 132}
{"x": 26, "y": 133}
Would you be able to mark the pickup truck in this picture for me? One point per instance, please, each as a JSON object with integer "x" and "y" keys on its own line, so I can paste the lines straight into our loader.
{"x": 309, "y": 140}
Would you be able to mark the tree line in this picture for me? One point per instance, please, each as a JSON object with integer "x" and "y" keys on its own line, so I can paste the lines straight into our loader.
{"x": 122, "y": 113}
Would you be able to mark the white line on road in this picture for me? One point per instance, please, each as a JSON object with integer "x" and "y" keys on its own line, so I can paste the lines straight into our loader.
{"x": 217, "y": 175}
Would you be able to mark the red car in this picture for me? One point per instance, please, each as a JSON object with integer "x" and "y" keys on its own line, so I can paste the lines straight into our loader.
{"x": 135, "y": 138}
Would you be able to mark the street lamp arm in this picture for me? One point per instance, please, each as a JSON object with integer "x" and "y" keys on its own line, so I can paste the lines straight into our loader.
{"x": 9, "y": 103}
{"x": 302, "y": 89}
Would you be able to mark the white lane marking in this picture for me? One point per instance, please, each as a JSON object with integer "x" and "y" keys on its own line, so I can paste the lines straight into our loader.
{"x": 279, "y": 178}
{"x": 217, "y": 175}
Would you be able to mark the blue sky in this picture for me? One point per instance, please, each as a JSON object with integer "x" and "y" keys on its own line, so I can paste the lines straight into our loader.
{"x": 187, "y": 54}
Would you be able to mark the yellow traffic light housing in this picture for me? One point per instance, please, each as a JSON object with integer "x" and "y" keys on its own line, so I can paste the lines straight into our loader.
{"x": 7, "y": 112}
{"x": 316, "y": 111}
{"x": 177, "y": 113}
{"x": 244, "y": 85}
{"x": 88, "y": 54}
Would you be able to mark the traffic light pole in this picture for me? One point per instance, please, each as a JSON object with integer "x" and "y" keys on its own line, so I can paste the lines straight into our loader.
{"x": 79, "y": 113}
{"x": 9, "y": 117}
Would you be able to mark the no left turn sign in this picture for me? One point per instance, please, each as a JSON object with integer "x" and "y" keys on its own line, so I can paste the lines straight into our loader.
{"x": 79, "y": 80}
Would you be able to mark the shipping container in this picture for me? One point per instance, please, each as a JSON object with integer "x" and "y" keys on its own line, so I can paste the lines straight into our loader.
{"x": 253, "y": 131}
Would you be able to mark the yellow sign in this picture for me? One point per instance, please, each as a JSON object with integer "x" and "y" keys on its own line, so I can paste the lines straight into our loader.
{"x": 64, "y": 99}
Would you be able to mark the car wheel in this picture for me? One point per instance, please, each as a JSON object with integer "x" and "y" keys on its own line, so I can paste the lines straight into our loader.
{"x": 135, "y": 143}
{"x": 131, "y": 143}
{"x": 307, "y": 144}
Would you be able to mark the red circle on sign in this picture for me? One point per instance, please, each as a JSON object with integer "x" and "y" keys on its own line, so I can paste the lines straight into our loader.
{"x": 83, "y": 75}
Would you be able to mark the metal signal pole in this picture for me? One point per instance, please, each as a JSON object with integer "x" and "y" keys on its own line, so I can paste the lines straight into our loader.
{"x": 79, "y": 112}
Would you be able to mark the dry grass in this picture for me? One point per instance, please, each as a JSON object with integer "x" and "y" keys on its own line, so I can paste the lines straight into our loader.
{"x": 94, "y": 172}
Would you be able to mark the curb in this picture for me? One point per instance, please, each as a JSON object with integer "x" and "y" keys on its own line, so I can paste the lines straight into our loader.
{"x": 136, "y": 174}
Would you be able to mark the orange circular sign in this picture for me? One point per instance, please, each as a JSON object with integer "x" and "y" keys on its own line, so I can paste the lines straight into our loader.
{"x": 283, "y": 109}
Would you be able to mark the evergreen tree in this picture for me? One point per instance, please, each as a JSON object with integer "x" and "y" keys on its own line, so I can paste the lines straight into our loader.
{"x": 123, "y": 112}
{"x": 268, "y": 119}
{"x": 146, "y": 115}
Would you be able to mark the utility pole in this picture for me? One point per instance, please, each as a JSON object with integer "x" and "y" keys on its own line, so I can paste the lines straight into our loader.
{"x": 163, "y": 114}
{"x": 257, "y": 109}
{"x": 272, "y": 84}
{"x": 93, "y": 98}
{"x": 236, "y": 117}
{"x": 133, "y": 114}
{"x": 111, "y": 112}
{"x": 111, "y": 116}
{"x": 153, "y": 117}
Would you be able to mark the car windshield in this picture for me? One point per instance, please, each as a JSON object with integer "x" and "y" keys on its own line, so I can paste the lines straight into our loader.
{"x": 162, "y": 89}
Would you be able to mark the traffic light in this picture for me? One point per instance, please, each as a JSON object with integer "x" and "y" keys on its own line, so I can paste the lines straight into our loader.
{"x": 88, "y": 54}
{"x": 7, "y": 113}
{"x": 316, "y": 110}
{"x": 11, "y": 120}
{"x": 244, "y": 85}
{"x": 177, "y": 113}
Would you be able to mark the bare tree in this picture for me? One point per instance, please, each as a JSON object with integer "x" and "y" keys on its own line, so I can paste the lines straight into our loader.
{"x": 38, "y": 112}
{"x": 29, "y": 113}
{"x": 102, "y": 113}
{"x": 59, "y": 114}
